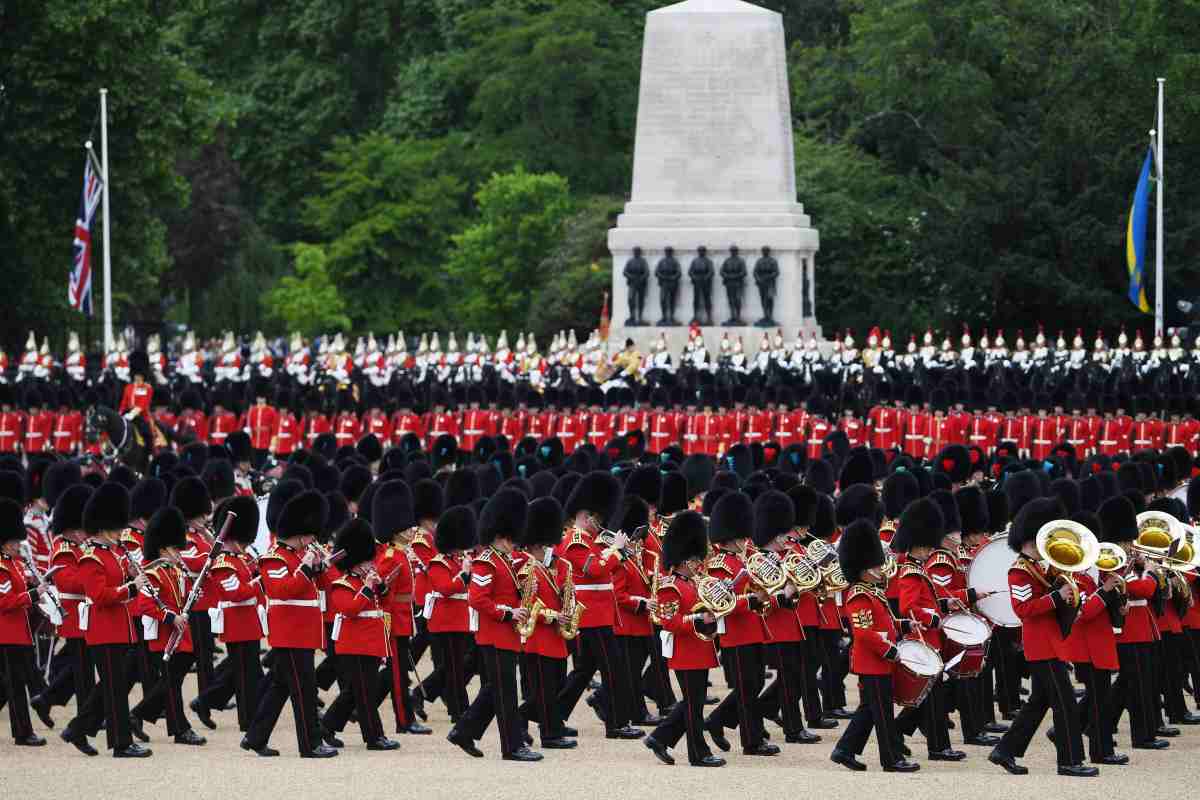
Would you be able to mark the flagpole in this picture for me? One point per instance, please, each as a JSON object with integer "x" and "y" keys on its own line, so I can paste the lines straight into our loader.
{"x": 1158, "y": 232}
{"x": 108, "y": 324}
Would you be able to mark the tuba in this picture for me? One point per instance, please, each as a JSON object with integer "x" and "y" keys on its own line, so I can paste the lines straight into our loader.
{"x": 1067, "y": 547}
{"x": 1112, "y": 558}
{"x": 572, "y": 609}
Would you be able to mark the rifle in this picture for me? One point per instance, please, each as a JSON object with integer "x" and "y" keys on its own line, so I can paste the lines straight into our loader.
{"x": 194, "y": 594}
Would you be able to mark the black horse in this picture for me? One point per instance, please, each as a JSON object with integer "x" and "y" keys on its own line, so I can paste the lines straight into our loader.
{"x": 130, "y": 440}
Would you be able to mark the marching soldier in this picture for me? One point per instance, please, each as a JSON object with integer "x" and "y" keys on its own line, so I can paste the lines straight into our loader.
{"x": 1035, "y": 601}
{"x": 495, "y": 597}
{"x": 873, "y": 652}
{"x": 445, "y": 606}
{"x": 688, "y": 631}
{"x": 16, "y": 638}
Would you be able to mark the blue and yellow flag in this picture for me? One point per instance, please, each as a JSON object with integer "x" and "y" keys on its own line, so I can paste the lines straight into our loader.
{"x": 1135, "y": 237}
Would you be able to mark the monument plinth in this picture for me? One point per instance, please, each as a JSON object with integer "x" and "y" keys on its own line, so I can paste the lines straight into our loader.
{"x": 714, "y": 167}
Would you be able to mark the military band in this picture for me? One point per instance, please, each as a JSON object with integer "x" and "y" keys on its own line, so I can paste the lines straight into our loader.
{"x": 938, "y": 583}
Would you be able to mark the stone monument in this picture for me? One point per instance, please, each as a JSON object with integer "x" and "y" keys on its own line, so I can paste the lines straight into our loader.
{"x": 714, "y": 165}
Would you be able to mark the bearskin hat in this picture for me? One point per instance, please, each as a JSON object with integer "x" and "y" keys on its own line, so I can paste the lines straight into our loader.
{"x": 921, "y": 525}
{"x": 1020, "y": 488}
{"x": 1129, "y": 476}
{"x": 444, "y": 451}
{"x": 284, "y": 491}
{"x": 819, "y": 475}
{"x": 68, "y": 511}
{"x": 858, "y": 501}
{"x": 59, "y": 477}
{"x": 462, "y": 488}
{"x": 711, "y": 498}
{"x": 899, "y": 489}
{"x": 645, "y": 481}
{"x": 489, "y": 478}
{"x": 148, "y": 496}
{"x": 218, "y": 477}
{"x": 824, "y": 519}
{"x": 304, "y": 515}
{"x": 1068, "y": 493}
{"x": 726, "y": 479}
{"x": 804, "y": 504}
{"x": 674, "y": 496}
{"x": 354, "y": 481}
{"x": 699, "y": 471}
{"x": 564, "y": 486}
{"x": 598, "y": 493}
{"x": 107, "y": 509}
{"x": 504, "y": 516}
{"x": 238, "y": 443}
{"x": 774, "y": 515}
{"x": 166, "y": 528}
{"x": 194, "y": 455}
{"x": 686, "y": 539}
{"x": 428, "y": 499}
{"x": 955, "y": 462}
{"x": 972, "y": 510}
{"x": 739, "y": 459}
{"x": 543, "y": 483}
{"x": 543, "y": 523}
{"x": 339, "y": 514}
{"x": 634, "y": 516}
{"x": 190, "y": 496}
{"x": 392, "y": 509}
{"x": 859, "y": 549}
{"x": 1030, "y": 519}
{"x": 356, "y": 542}
{"x": 118, "y": 474}
{"x": 858, "y": 469}
{"x": 1091, "y": 493}
{"x": 455, "y": 530}
{"x": 951, "y": 522}
{"x": 244, "y": 528}
{"x": 732, "y": 518}
{"x": 12, "y": 521}
{"x": 369, "y": 448}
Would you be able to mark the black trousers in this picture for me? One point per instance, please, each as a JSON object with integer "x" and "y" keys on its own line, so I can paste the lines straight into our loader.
{"x": 543, "y": 677}
{"x": 74, "y": 674}
{"x": 635, "y": 650}
{"x": 142, "y": 666}
{"x": 1009, "y": 664}
{"x": 292, "y": 676}
{"x": 966, "y": 692}
{"x": 327, "y": 671}
{"x": 987, "y": 691}
{"x": 450, "y": 678}
{"x": 1173, "y": 659}
{"x": 1094, "y": 710}
{"x": 598, "y": 649}
{"x": 656, "y": 679}
{"x": 740, "y": 709}
{"x": 784, "y": 694}
{"x": 239, "y": 678}
{"x": 202, "y": 646}
{"x": 1134, "y": 689}
{"x": 814, "y": 658}
{"x": 874, "y": 712}
{"x": 16, "y": 662}
{"x": 930, "y": 717}
{"x": 687, "y": 716}
{"x": 166, "y": 697}
{"x": 108, "y": 703}
{"x": 497, "y": 698}
{"x": 833, "y": 671}
{"x": 1050, "y": 690}
{"x": 383, "y": 683}
{"x": 358, "y": 678}
{"x": 1193, "y": 662}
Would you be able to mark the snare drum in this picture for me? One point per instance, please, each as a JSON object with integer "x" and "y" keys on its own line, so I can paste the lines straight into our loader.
{"x": 917, "y": 667}
{"x": 966, "y": 641}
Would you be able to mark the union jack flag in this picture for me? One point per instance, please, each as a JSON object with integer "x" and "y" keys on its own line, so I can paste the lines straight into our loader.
{"x": 79, "y": 287}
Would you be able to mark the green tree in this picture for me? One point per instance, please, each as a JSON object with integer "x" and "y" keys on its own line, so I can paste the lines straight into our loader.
{"x": 308, "y": 301}
{"x": 57, "y": 55}
{"x": 386, "y": 212}
{"x": 494, "y": 260}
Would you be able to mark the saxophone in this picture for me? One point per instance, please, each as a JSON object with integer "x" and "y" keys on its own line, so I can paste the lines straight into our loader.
{"x": 655, "y": 618}
{"x": 531, "y": 603}
{"x": 572, "y": 609}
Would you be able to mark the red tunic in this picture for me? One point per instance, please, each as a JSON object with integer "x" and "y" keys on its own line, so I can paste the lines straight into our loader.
{"x": 287, "y": 433}
{"x": 12, "y": 431}
{"x": 545, "y": 639}
{"x": 1033, "y": 602}
{"x": 38, "y": 431}
{"x": 742, "y": 626}
{"x": 593, "y": 575}
{"x": 359, "y": 627}
{"x": 263, "y": 422}
{"x": 239, "y": 597}
{"x": 168, "y": 582}
{"x": 445, "y": 606}
{"x": 70, "y": 591}
{"x": 918, "y": 600}
{"x": 15, "y": 602}
{"x": 315, "y": 425}
{"x": 494, "y": 595}
{"x": 102, "y": 575}
{"x": 602, "y": 428}
{"x": 136, "y": 395}
{"x": 68, "y": 432}
{"x": 394, "y": 565}
{"x": 873, "y": 632}
{"x": 1092, "y": 640}
{"x": 632, "y": 586}
{"x": 677, "y": 595}
{"x": 886, "y": 427}
{"x": 293, "y": 604}
{"x": 220, "y": 425}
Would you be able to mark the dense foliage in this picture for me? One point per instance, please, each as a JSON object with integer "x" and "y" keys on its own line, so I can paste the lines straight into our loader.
{"x": 421, "y": 163}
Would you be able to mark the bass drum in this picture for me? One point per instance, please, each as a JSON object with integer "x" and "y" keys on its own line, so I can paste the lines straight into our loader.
{"x": 989, "y": 574}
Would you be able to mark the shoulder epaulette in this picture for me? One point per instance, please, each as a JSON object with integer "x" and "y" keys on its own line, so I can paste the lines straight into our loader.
{"x": 486, "y": 558}
{"x": 910, "y": 569}
{"x": 344, "y": 580}
{"x": 89, "y": 552}
{"x": 577, "y": 538}
{"x": 223, "y": 560}
{"x": 441, "y": 559}
{"x": 941, "y": 558}
{"x": 666, "y": 582}
{"x": 716, "y": 561}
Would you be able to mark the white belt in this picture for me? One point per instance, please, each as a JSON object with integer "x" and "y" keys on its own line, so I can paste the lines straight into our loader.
{"x": 66, "y": 596}
{"x": 431, "y": 599}
{"x": 224, "y": 604}
{"x": 85, "y": 608}
{"x": 473, "y": 433}
{"x": 271, "y": 602}
{"x": 218, "y": 613}
{"x": 593, "y": 587}
{"x": 1137, "y": 603}
{"x": 883, "y": 430}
